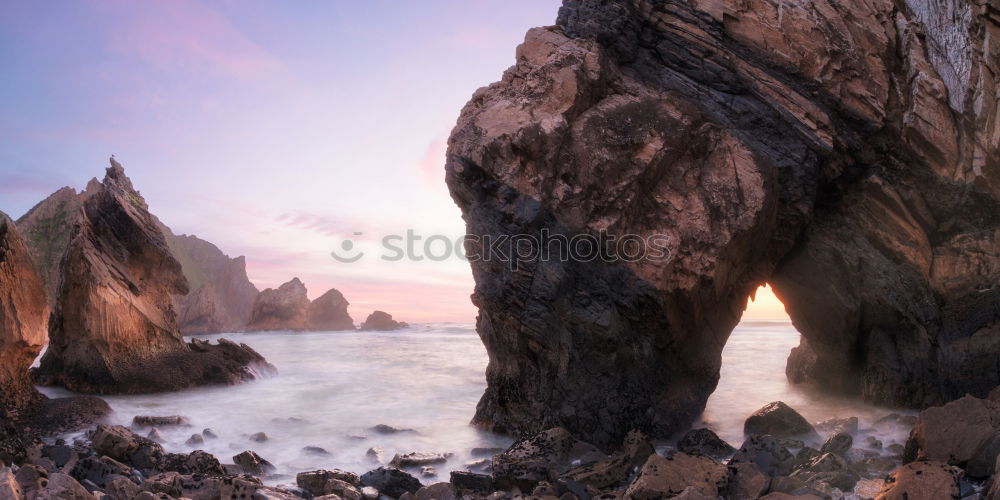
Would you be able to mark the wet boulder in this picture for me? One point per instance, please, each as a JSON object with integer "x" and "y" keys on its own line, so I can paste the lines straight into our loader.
{"x": 706, "y": 443}
{"x": 615, "y": 469}
{"x": 159, "y": 421}
{"x": 125, "y": 446}
{"x": 777, "y": 419}
{"x": 436, "y": 491}
{"x": 417, "y": 459}
{"x": 100, "y": 470}
{"x": 252, "y": 463}
{"x": 470, "y": 481}
{"x": 767, "y": 454}
{"x": 925, "y": 480}
{"x": 391, "y": 481}
{"x": 196, "y": 462}
{"x": 963, "y": 432}
{"x": 745, "y": 481}
{"x": 315, "y": 482}
{"x": 838, "y": 425}
{"x": 542, "y": 457}
{"x": 663, "y": 477}
{"x": 838, "y": 444}
{"x": 828, "y": 469}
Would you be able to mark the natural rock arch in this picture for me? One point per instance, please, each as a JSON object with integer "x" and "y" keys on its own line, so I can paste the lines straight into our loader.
{"x": 829, "y": 149}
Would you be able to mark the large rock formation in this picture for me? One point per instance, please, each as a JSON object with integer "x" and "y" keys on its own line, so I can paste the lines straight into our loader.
{"x": 113, "y": 329}
{"x": 382, "y": 321}
{"x": 288, "y": 308}
{"x": 25, "y": 414}
{"x": 845, "y": 153}
{"x": 329, "y": 312}
{"x": 24, "y": 317}
{"x": 282, "y": 308}
{"x": 221, "y": 296}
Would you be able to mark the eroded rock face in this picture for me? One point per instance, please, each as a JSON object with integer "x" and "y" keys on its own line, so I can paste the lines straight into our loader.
{"x": 815, "y": 146}
{"x": 114, "y": 329}
{"x": 24, "y": 318}
{"x": 284, "y": 308}
{"x": 48, "y": 227}
{"x": 221, "y": 296}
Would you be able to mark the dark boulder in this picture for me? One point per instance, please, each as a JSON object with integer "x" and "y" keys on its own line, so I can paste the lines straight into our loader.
{"x": 777, "y": 419}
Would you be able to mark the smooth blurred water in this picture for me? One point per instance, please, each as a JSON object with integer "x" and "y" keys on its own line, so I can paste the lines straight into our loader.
{"x": 753, "y": 374}
{"x": 332, "y": 387}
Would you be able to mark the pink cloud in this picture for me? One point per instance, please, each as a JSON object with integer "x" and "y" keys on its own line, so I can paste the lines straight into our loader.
{"x": 431, "y": 167}
{"x": 183, "y": 34}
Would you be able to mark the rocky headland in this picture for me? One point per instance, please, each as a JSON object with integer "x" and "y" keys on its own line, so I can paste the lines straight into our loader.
{"x": 847, "y": 153}
{"x": 221, "y": 295}
{"x": 113, "y": 327}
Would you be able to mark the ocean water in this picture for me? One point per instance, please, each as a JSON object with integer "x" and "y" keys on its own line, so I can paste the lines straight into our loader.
{"x": 333, "y": 387}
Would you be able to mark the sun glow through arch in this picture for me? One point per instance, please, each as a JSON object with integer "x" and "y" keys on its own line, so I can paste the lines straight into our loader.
{"x": 765, "y": 306}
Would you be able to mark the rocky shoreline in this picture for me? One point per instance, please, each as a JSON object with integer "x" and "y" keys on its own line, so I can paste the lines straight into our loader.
{"x": 951, "y": 453}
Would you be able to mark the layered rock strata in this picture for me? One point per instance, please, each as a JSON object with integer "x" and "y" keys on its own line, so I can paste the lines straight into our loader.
{"x": 113, "y": 329}
{"x": 845, "y": 153}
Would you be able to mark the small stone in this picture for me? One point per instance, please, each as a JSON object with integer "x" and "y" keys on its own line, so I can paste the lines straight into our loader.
{"x": 155, "y": 435}
{"x": 195, "y": 440}
{"x": 209, "y": 434}
{"x": 258, "y": 437}
{"x": 375, "y": 454}
{"x": 418, "y": 459}
{"x": 705, "y": 443}
{"x": 428, "y": 471}
{"x": 388, "y": 429}
{"x": 252, "y": 463}
{"x": 158, "y": 421}
{"x": 315, "y": 451}
{"x": 838, "y": 444}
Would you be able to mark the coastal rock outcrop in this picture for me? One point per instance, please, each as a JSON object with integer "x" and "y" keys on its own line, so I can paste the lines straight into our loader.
{"x": 282, "y": 308}
{"x": 848, "y": 154}
{"x": 24, "y": 319}
{"x": 382, "y": 321}
{"x": 221, "y": 296}
{"x": 25, "y": 414}
{"x": 329, "y": 312}
{"x": 113, "y": 329}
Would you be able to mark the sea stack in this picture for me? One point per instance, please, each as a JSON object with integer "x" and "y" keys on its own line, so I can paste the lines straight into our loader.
{"x": 329, "y": 312}
{"x": 846, "y": 152}
{"x": 382, "y": 321}
{"x": 283, "y": 308}
{"x": 114, "y": 329}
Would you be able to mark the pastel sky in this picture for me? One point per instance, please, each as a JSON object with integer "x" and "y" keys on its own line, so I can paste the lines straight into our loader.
{"x": 275, "y": 130}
